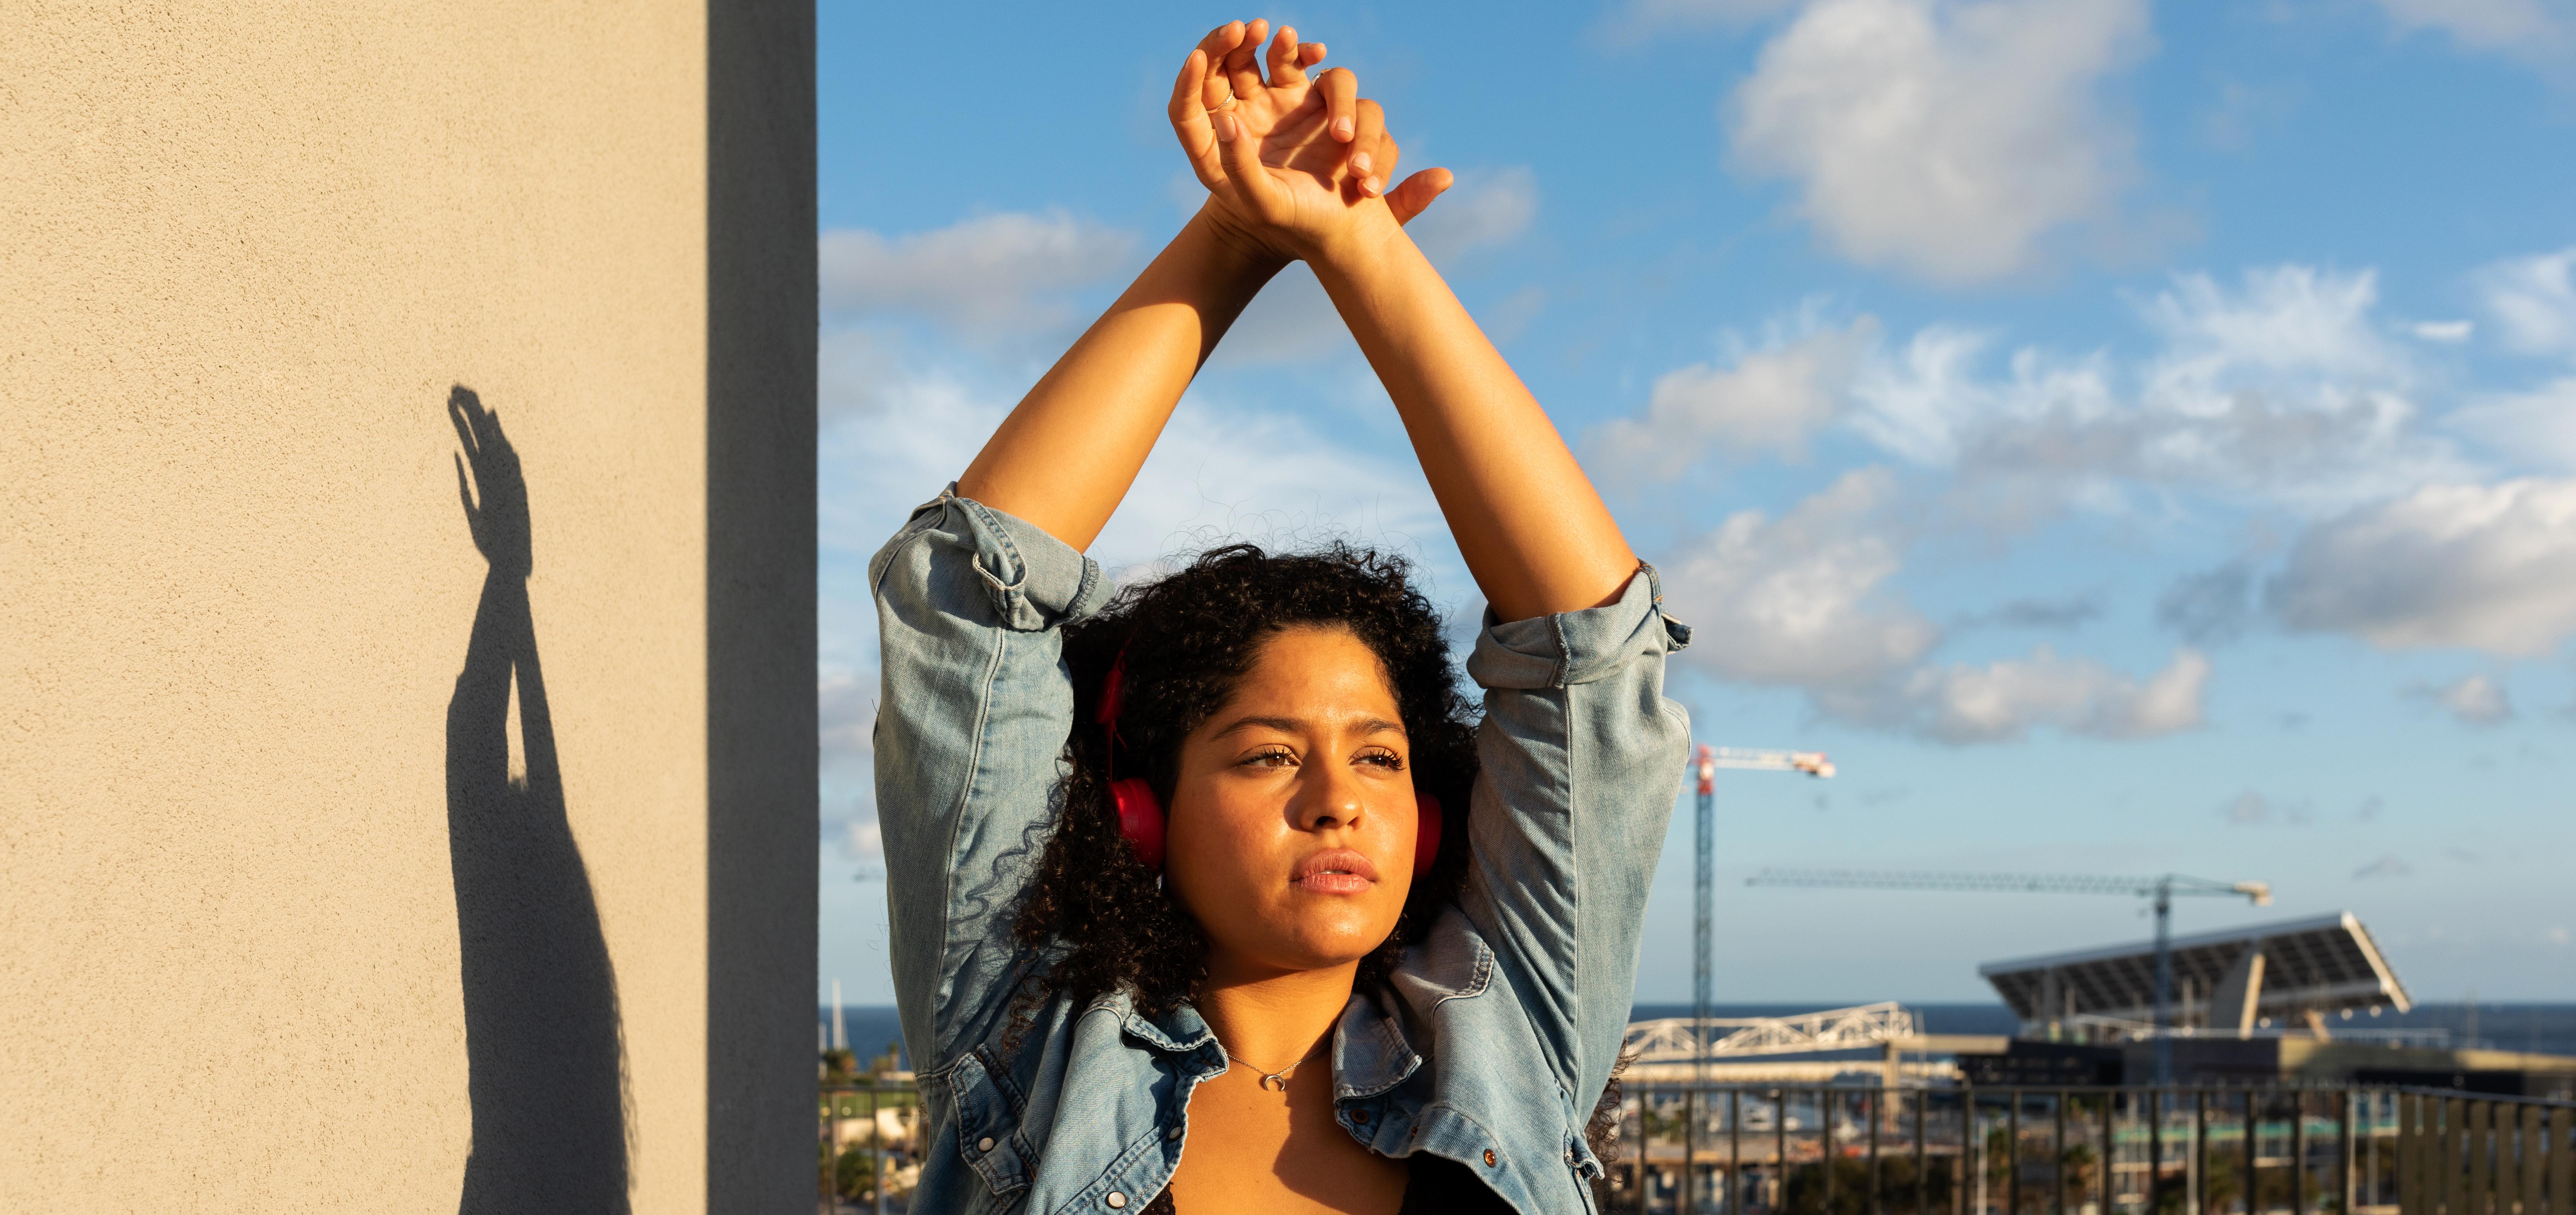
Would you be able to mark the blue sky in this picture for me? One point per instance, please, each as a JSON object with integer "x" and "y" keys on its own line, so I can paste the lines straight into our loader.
{"x": 2129, "y": 437}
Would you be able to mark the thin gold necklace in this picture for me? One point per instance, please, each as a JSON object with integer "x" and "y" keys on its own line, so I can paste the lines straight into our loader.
{"x": 1274, "y": 1081}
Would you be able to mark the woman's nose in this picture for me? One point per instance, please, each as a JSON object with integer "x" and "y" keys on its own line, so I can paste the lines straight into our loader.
{"x": 1330, "y": 798}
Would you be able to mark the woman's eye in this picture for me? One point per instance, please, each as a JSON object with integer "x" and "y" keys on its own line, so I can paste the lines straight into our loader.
{"x": 1385, "y": 759}
{"x": 1279, "y": 758}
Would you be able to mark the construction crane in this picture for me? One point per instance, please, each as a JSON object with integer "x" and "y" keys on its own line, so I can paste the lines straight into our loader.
{"x": 1703, "y": 891}
{"x": 2161, "y": 888}
{"x": 1704, "y": 894}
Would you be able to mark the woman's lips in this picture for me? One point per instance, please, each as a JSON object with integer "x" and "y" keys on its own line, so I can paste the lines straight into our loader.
{"x": 1334, "y": 871}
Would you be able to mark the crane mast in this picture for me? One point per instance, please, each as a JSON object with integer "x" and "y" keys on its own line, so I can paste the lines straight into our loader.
{"x": 1704, "y": 889}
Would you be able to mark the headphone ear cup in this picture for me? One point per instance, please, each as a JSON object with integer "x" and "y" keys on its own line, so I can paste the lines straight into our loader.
{"x": 1426, "y": 832}
{"x": 1140, "y": 818}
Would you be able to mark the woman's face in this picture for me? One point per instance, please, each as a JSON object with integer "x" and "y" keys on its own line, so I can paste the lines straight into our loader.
{"x": 1292, "y": 822}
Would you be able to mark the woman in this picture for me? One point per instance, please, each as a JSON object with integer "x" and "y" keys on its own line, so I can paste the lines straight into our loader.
{"x": 1211, "y": 895}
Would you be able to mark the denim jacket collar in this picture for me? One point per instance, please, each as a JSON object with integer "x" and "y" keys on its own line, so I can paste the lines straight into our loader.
{"x": 1370, "y": 1051}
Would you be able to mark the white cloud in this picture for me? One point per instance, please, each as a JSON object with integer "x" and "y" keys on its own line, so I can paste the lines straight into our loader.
{"x": 2540, "y": 32}
{"x": 2475, "y": 700}
{"x": 1801, "y": 599}
{"x": 2289, "y": 328}
{"x": 2449, "y": 333}
{"x": 1482, "y": 209}
{"x": 856, "y": 369}
{"x": 1770, "y": 400}
{"x": 1950, "y": 140}
{"x": 2004, "y": 700}
{"x": 863, "y": 840}
{"x": 2390, "y": 866}
{"x": 984, "y": 276}
{"x": 2284, "y": 391}
{"x": 2533, "y": 300}
{"x": 847, "y": 701}
{"x": 2485, "y": 567}
{"x": 1804, "y": 601}
{"x": 2537, "y": 426}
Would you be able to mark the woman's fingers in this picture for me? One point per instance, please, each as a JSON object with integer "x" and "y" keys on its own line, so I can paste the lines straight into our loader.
{"x": 1286, "y": 60}
{"x": 1240, "y": 156}
{"x": 1190, "y": 119}
{"x": 1373, "y": 154}
{"x": 1243, "y": 63}
{"x": 1408, "y": 199}
{"x": 1341, "y": 89}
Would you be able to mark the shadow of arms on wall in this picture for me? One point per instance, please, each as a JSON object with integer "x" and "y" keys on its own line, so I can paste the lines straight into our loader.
{"x": 543, "y": 1037}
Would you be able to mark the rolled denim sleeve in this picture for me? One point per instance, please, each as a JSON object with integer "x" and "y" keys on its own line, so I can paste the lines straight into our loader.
{"x": 972, "y": 718}
{"x": 1582, "y": 760}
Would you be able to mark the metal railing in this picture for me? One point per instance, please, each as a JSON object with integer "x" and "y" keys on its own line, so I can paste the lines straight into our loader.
{"x": 1813, "y": 1150}
{"x": 853, "y": 1123}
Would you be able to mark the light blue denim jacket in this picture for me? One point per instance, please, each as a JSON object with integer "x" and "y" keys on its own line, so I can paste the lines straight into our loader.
{"x": 1499, "y": 1029}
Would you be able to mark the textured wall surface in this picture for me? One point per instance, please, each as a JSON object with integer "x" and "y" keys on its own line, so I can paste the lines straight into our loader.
{"x": 361, "y": 848}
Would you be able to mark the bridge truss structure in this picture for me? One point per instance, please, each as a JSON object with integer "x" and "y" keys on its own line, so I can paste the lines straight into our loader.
{"x": 1681, "y": 1039}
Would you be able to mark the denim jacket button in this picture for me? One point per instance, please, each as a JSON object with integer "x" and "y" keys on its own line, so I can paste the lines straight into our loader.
{"x": 984, "y": 1144}
{"x": 1115, "y": 1200}
{"x": 1490, "y": 1162}
{"x": 1360, "y": 1116}
{"x": 1173, "y": 1133}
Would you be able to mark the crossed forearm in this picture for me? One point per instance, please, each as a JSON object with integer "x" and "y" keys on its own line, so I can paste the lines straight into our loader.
{"x": 1069, "y": 452}
{"x": 1532, "y": 529}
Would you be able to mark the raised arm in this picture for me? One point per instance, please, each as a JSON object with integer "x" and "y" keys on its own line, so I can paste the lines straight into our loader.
{"x": 1066, "y": 456}
{"x": 1534, "y": 532}
{"x": 1532, "y": 529}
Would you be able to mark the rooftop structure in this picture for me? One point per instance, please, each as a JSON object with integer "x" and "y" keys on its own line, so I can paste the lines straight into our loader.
{"x": 2228, "y": 981}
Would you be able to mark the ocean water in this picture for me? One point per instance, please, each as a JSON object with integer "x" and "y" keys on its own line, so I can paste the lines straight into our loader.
{"x": 2543, "y": 1028}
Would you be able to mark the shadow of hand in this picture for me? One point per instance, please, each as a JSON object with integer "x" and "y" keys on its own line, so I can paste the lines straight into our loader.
{"x": 500, "y": 520}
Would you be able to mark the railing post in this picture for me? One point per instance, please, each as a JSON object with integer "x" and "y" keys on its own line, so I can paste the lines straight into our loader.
{"x": 2343, "y": 1152}
{"x": 1734, "y": 1151}
{"x": 2201, "y": 1152}
{"x": 2253, "y": 1122}
{"x": 1779, "y": 1148}
{"x": 2155, "y": 1147}
{"x": 2057, "y": 1169}
{"x": 1879, "y": 1188}
{"x": 2110, "y": 1149}
{"x": 1690, "y": 1149}
{"x": 2299, "y": 1151}
{"x": 1825, "y": 1147}
{"x": 2012, "y": 1153}
{"x": 1922, "y": 1168}
{"x": 2410, "y": 1160}
{"x": 2533, "y": 1148}
{"x": 1970, "y": 1175}
{"x": 2507, "y": 1122}
{"x": 2481, "y": 1173}
{"x": 2562, "y": 1161}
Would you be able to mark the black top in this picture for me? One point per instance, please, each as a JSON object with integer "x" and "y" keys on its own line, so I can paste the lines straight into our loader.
{"x": 1437, "y": 1186}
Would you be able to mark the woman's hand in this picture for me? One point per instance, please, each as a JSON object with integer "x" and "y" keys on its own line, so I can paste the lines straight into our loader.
{"x": 1294, "y": 160}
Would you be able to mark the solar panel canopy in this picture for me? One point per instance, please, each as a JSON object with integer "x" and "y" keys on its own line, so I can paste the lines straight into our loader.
{"x": 2325, "y": 964}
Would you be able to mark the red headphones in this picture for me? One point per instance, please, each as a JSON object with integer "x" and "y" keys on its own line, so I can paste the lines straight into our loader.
{"x": 1140, "y": 813}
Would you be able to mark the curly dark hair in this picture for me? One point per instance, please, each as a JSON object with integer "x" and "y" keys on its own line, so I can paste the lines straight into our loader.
{"x": 1108, "y": 923}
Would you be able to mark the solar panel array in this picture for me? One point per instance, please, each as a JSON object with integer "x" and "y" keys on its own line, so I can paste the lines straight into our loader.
{"x": 2327, "y": 963}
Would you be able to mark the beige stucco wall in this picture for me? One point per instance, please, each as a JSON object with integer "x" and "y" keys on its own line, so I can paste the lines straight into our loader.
{"x": 248, "y": 250}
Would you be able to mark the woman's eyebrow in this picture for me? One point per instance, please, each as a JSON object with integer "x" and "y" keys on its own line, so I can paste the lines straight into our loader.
{"x": 1299, "y": 725}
